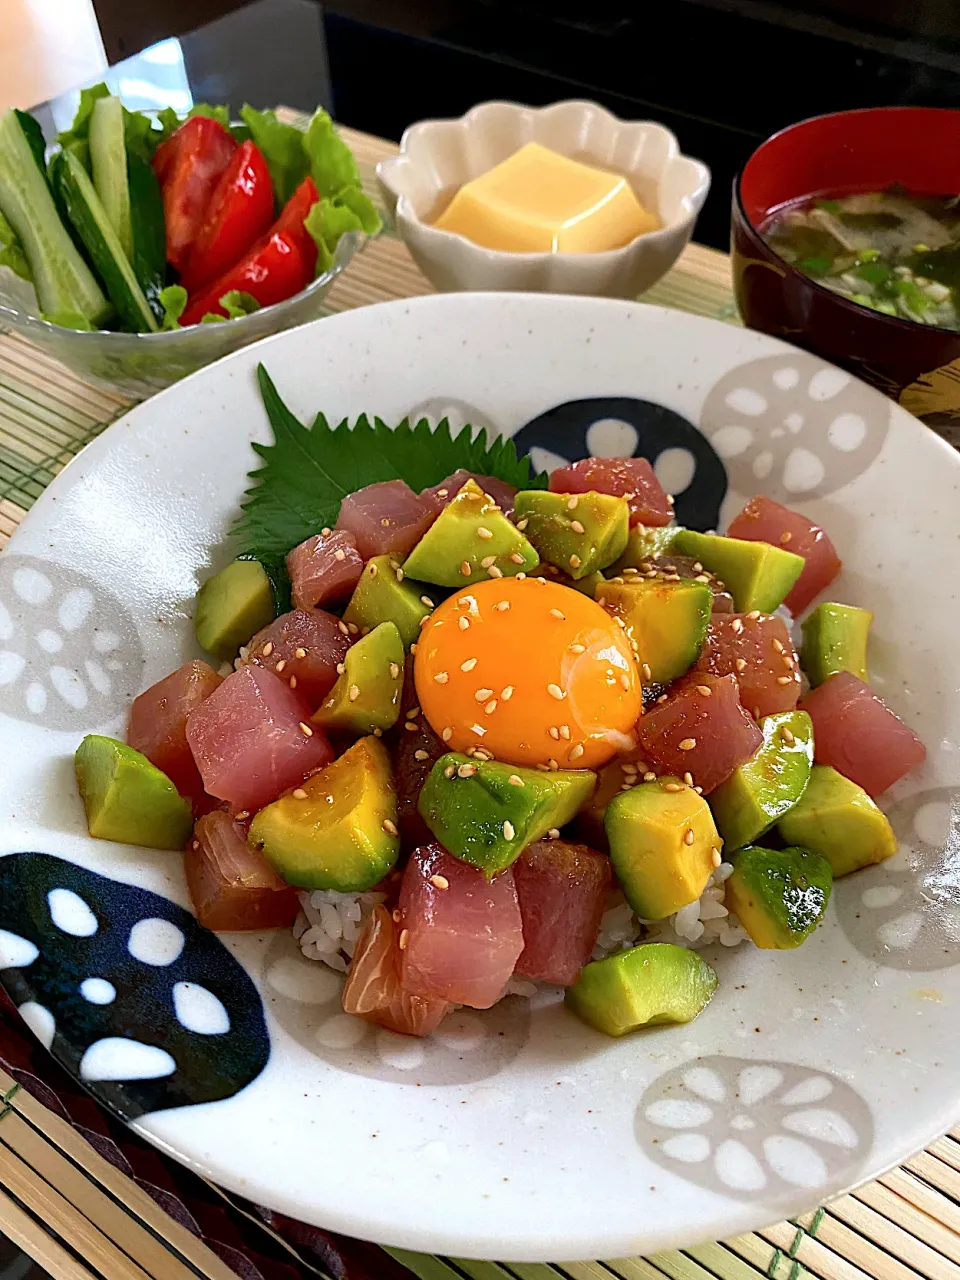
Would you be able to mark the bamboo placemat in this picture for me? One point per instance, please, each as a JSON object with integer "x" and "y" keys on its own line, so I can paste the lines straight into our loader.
{"x": 80, "y": 1216}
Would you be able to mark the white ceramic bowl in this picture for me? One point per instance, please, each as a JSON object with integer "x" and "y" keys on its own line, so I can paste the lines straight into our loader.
{"x": 438, "y": 156}
{"x": 518, "y": 1132}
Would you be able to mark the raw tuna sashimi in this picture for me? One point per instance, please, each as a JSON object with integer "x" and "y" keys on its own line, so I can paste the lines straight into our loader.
{"x": 324, "y": 569}
{"x": 621, "y": 477}
{"x": 303, "y": 648}
{"x": 373, "y": 990}
{"x": 763, "y": 520}
{"x": 252, "y": 739}
{"x": 561, "y": 888}
{"x": 858, "y": 734}
{"x": 158, "y": 724}
{"x": 759, "y": 654}
{"x": 462, "y": 934}
{"x": 232, "y": 886}
{"x": 414, "y": 753}
{"x": 502, "y": 493}
{"x": 386, "y": 517}
{"x": 701, "y": 729}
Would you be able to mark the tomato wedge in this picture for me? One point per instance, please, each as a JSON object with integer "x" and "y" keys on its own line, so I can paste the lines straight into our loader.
{"x": 763, "y": 520}
{"x": 273, "y": 270}
{"x": 293, "y": 214}
{"x": 239, "y": 212}
{"x": 188, "y": 167}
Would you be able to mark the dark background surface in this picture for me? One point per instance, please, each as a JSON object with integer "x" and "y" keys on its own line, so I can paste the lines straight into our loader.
{"x": 723, "y": 74}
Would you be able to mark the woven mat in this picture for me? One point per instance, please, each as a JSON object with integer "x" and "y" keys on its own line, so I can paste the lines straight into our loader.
{"x": 65, "y": 1200}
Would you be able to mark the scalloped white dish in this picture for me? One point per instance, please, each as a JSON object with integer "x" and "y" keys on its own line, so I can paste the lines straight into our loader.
{"x": 516, "y": 1133}
{"x": 438, "y": 156}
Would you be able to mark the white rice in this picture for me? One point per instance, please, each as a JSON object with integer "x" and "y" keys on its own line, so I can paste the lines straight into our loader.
{"x": 330, "y": 923}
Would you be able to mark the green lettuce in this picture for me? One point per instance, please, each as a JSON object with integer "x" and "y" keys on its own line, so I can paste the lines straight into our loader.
{"x": 329, "y": 219}
{"x": 77, "y": 137}
{"x": 173, "y": 300}
{"x": 282, "y": 147}
{"x": 236, "y": 303}
{"x": 12, "y": 253}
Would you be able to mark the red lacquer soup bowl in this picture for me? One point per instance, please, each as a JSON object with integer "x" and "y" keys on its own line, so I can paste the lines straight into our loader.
{"x": 917, "y": 147}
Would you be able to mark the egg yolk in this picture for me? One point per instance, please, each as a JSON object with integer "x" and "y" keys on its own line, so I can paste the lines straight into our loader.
{"x": 532, "y": 671}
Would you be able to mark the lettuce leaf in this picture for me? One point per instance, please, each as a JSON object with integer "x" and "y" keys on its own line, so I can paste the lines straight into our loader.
{"x": 219, "y": 113}
{"x": 332, "y": 163}
{"x": 282, "y": 147}
{"x": 76, "y": 138}
{"x": 12, "y": 253}
{"x": 326, "y": 222}
{"x": 173, "y": 300}
{"x": 236, "y": 303}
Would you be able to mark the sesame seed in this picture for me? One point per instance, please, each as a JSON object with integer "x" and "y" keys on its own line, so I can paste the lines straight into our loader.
{"x": 522, "y": 524}
{"x": 787, "y": 735}
{"x": 555, "y": 691}
{"x": 399, "y": 573}
{"x": 627, "y": 766}
{"x": 352, "y": 628}
{"x": 705, "y": 690}
{"x": 373, "y": 570}
{"x": 508, "y": 831}
{"x": 495, "y": 572}
{"x": 553, "y": 833}
{"x": 662, "y": 698}
{"x": 715, "y": 855}
{"x": 354, "y": 692}
{"x": 687, "y": 744}
{"x": 575, "y": 562}
{"x": 688, "y": 779}
{"x": 267, "y": 649}
{"x": 421, "y": 754}
{"x": 672, "y": 786}
{"x": 576, "y": 526}
{"x": 440, "y": 882}
{"x": 784, "y": 679}
{"x": 293, "y": 682}
{"x": 701, "y": 577}
{"x": 753, "y": 615}
{"x": 463, "y": 624}
{"x": 243, "y": 815}
{"x": 413, "y": 713}
{"x": 441, "y": 677}
{"x": 378, "y": 733}
{"x": 413, "y": 648}
{"x": 447, "y": 734}
{"x": 646, "y": 672}
{"x": 741, "y": 664}
{"x": 785, "y": 538}
{"x": 404, "y": 938}
{"x": 506, "y": 693}
{"x": 394, "y": 669}
{"x": 552, "y": 764}
{"x": 325, "y": 532}
{"x": 517, "y": 558}
{"x": 305, "y": 729}
{"x": 483, "y": 694}
{"x": 280, "y": 665}
{"x": 343, "y": 628}
{"x": 689, "y": 836}
{"x": 555, "y": 613}
{"x": 576, "y": 751}
{"x": 572, "y": 503}
{"x": 620, "y": 623}
{"x": 299, "y": 794}
{"x": 515, "y": 780}
{"x": 787, "y": 661}
{"x": 339, "y": 554}
{"x": 578, "y": 648}
{"x": 777, "y": 645}
{"x": 736, "y": 626}
{"x": 649, "y": 776}
{"x": 465, "y": 568}
{"x": 565, "y": 732}
{"x": 395, "y": 915}
{"x": 195, "y": 845}
{"x": 427, "y": 601}
{"x": 411, "y": 727}
{"x": 450, "y": 770}
{"x": 669, "y": 499}
{"x": 624, "y": 680}
{"x": 520, "y": 577}
{"x": 466, "y": 771}
{"x": 468, "y": 665}
{"x": 491, "y": 707}
{"x": 484, "y": 533}
{"x": 481, "y": 754}
{"x": 487, "y": 561}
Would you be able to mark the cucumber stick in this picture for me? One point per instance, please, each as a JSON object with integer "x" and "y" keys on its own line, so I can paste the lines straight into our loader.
{"x": 63, "y": 281}
{"x": 108, "y": 159}
{"x": 78, "y": 197}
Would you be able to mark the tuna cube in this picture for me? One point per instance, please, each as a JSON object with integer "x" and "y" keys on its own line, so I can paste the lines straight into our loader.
{"x": 763, "y": 520}
{"x": 386, "y": 517}
{"x": 158, "y": 724}
{"x": 463, "y": 933}
{"x": 304, "y": 649}
{"x": 324, "y": 570}
{"x": 443, "y": 493}
{"x": 251, "y": 739}
{"x": 758, "y": 652}
{"x": 561, "y": 888}
{"x": 374, "y": 991}
{"x": 630, "y": 478}
{"x": 232, "y": 886}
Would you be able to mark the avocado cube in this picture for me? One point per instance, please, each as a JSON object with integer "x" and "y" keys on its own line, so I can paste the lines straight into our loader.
{"x": 779, "y": 895}
{"x": 769, "y": 784}
{"x": 337, "y": 830}
{"x": 486, "y": 813}
{"x": 663, "y": 846}
{"x": 758, "y": 575}
{"x": 667, "y": 621}
{"x": 128, "y": 799}
{"x": 835, "y": 639}
{"x": 837, "y": 819}
{"x": 646, "y": 986}
{"x": 384, "y": 594}
{"x": 231, "y": 607}
{"x": 366, "y": 696}
{"x": 581, "y": 538}
{"x": 470, "y": 541}
{"x": 644, "y": 542}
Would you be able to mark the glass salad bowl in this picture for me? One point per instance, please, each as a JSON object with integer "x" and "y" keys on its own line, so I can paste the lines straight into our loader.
{"x": 138, "y": 364}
